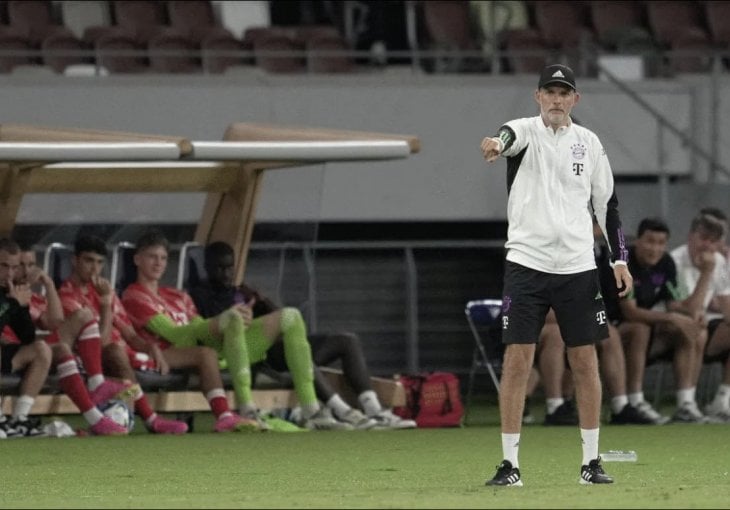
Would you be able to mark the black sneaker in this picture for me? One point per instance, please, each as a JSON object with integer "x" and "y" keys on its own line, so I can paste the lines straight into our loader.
{"x": 506, "y": 475}
{"x": 593, "y": 473}
{"x": 565, "y": 414}
{"x": 630, "y": 415}
{"x": 26, "y": 428}
{"x": 7, "y": 427}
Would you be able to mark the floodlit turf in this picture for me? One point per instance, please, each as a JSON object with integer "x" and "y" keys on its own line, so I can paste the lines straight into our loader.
{"x": 679, "y": 466}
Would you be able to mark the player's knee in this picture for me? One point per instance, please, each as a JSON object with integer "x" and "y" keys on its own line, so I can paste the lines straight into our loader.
{"x": 60, "y": 351}
{"x": 348, "y": 341}
{"x": 290, "y": 316}
{"x": 42, "y": 353}
{"x": 82, "y": 316}
{"x": 114, "y": 351}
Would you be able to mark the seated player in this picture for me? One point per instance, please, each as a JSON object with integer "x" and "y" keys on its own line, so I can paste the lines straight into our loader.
{"x": 86, "y": 289}
{"x": 79, "y": 333}
{"x": 27, "y": 355}
{"x": 702, "y": 269}
{"x": 660, "y": 318}
{"x": 219, "y": 293}
{"x": 168, "y": 316}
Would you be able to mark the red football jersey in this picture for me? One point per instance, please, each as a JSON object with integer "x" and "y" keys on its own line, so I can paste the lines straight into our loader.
{"x": 85, "y": 296}
{"x": 142, "y": 305}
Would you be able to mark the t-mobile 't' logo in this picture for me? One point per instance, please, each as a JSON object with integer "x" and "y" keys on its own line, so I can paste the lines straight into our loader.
{"x": 505, "y": 321}
{"x": 601, "y": 317}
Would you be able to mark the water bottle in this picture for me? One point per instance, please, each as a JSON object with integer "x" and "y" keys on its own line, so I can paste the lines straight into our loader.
{"x": 619, "y": 456}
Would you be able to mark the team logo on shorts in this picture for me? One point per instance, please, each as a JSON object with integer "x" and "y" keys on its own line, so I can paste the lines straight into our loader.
{"x": 578, "y": 150}
{"x": 506, "y": 302}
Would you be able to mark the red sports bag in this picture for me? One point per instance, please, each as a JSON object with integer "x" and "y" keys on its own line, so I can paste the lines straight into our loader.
{"x": 432, "y": 399}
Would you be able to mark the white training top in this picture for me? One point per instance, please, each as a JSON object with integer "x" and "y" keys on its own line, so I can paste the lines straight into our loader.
{"x": 552, "y": 178}
{"x": 688, "y": 275}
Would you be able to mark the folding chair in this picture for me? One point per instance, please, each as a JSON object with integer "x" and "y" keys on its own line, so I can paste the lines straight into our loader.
{"x": 483, "y": 316}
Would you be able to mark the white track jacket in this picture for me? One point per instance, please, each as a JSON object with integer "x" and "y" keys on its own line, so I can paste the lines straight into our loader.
{"x": 554, "y": 179}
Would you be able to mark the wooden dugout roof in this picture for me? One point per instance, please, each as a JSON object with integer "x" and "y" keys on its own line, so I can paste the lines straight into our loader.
{"x": 37, "y": 159}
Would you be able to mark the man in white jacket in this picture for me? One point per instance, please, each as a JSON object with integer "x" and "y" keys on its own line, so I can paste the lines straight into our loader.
{"x": 558, "y": 175}
{"x": 703, "y": 270}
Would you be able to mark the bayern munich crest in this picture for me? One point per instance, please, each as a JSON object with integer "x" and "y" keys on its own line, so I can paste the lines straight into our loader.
{"x": 578, "y": 150}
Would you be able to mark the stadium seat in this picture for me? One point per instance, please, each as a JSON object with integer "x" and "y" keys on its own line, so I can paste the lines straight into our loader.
{"x": 62, "y": 49}
{"x": 563, "y": 26}
{"x": 144, "y": 18}
{"x": 116, "y": 51}
{"x": 123, "y": 270}
{"x": 19, "y": 50}
{"x": 35, "y": 19}
{"x": 484, "y": 318}
{"x": 526, "y": 51}
{"x": 679, "y": 26}
{"x": 620, "y": 26}
{"x": 196, "y": 18}
{"x": 278, "y": 53}
{"x": 667, "y": 19}
{"x": 171, "y": 51}
{"x": 717, "y": 14}
{"x": 57, "y": 262}
{"x": 328, "y": 61}
{"x": 697, "y": 41}
{"x": 449, "y": 28}
{"x": 191, "y": 269}
{"x": 562, "y": 23}
{"x": 305, "y": 33}
{"x": 255, "y": 33}
{"x": 220, "y": 54}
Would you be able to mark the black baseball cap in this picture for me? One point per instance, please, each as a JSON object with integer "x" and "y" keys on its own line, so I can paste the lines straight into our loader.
{"x": 557, "y": 74}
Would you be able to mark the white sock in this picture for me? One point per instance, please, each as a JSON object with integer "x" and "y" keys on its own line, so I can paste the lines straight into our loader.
{"x": 589, "y": 439}
{"x": 636, "y": 398}
{"x": 511, "y": 447}
{"x": 722, "y": 397}
{"x": 369, "y": 402}
{"x": 94, "y": 381}
{"x": 310, "y": 410}
{"x": 151, "y": 419}
{"x": 618, "y": 403}
{"x": 685, "y": 396}
{"x": 553, "y": 403}
{"x": 339, "y": 407}
{"x": 22, "y": 407}
{"x": 246, "y": 409}
{"x": 93, "y": 415}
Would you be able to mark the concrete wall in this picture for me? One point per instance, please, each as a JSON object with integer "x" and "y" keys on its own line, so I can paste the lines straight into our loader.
{"x": 447, "y": 181}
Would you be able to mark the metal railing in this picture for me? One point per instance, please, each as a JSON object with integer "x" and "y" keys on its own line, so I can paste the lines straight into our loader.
{"x": 412, "y": 327}
{"x": 584, "y": 57}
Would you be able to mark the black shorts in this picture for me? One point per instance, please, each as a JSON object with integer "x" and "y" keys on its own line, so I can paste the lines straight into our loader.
{"x": 576, "y": 299}
{"x": 7, "y": 352}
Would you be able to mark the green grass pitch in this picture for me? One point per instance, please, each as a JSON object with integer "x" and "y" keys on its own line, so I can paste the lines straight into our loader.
{"x": 679, "y": 466}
